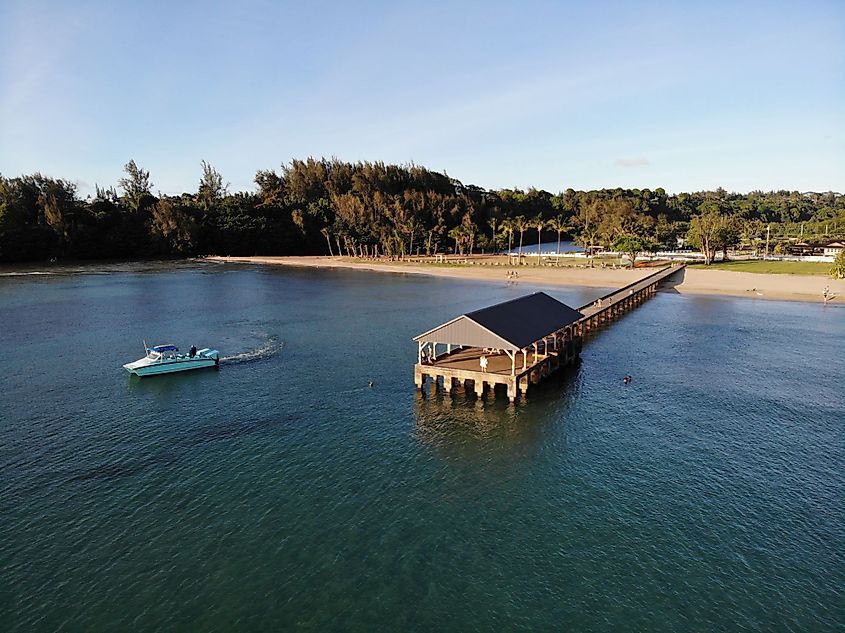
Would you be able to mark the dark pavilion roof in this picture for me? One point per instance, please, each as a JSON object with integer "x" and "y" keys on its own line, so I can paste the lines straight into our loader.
{"x": 512, "y": 325}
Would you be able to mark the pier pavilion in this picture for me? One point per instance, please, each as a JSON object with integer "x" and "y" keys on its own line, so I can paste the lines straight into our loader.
{"x": 492, "y": 346}
{"x": 512, "y": 343}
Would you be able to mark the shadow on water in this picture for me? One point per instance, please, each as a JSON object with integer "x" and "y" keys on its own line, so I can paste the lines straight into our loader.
{"x": 179, "y": 448}
{"x": 171, "y": 384}
{"x": 227, "y": 430}
{"x": 109, "y": 472}
{"x": 459, "y": 421}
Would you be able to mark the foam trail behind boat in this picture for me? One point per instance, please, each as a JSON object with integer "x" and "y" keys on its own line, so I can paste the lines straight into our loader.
{"x": 269, "y": 348}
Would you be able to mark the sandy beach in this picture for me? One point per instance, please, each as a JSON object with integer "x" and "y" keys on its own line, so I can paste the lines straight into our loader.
{"x": 691, "y": 281}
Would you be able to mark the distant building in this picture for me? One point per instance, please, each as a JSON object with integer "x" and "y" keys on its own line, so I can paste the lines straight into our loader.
{"x": 803, "y": 248}
{"x": 834, "y": 248}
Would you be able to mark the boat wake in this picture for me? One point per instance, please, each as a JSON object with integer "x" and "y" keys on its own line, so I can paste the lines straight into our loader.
{"x": 272, "y": 346}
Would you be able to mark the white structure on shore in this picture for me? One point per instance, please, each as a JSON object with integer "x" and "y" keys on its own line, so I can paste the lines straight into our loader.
{"x": 833, "y": 249}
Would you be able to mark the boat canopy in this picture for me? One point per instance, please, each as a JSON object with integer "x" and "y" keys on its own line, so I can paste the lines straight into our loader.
{"x": 165, "y": 348}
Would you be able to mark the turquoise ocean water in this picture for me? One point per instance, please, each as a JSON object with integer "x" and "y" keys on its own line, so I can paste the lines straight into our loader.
{"x": 280, "y": 492}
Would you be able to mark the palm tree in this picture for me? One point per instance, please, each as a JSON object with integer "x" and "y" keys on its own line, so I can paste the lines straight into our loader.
{"x": 520, "y": 224}
{"x": 431, "y": 232}
{"x": 559, "y": 224}
{"x": 538, "y": 223}
{"x": 327, "y": 235}
{"x": 469, "y": 235}
{"x": 492, "y": 224}
{"x": 457, "y": 234}
{"x": 506, "y": 226}
{"x": 337, "y": 235}
{"x": 412, "y": 226}
{"x": 590, "y": 228}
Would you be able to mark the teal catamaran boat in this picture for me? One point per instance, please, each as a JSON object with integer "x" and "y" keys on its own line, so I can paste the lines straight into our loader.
{"x": 166, "y": 359}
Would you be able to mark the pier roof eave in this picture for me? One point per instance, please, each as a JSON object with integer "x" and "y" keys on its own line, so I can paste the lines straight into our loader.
{"x": 527, "y": 319}
{"x": 512, "y": 325}
{"x": 463, "y": 330}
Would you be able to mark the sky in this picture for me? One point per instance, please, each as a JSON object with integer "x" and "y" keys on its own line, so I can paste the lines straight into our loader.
{"x": 681, "y": 95}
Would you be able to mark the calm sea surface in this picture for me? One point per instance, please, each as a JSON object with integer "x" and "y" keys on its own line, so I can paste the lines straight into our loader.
{"x": 282, "y": 493}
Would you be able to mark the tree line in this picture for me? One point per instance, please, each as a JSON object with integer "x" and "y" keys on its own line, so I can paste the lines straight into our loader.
{"x": 371, "y": 209}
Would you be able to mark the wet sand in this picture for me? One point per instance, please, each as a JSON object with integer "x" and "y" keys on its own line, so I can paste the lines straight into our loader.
{"x": 692, "y": 280}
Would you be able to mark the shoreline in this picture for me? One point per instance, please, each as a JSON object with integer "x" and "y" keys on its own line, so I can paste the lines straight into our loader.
{"x": 780, "y": 287}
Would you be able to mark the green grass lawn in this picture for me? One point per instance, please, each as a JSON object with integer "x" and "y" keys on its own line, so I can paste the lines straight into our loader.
{"x": 772, "y": 267}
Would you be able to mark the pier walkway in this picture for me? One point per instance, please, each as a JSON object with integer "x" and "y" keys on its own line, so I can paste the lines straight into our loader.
{"x": 618, "y": 302}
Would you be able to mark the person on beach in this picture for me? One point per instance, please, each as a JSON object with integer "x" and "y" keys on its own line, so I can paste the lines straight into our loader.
{"x": 826, "y": 293}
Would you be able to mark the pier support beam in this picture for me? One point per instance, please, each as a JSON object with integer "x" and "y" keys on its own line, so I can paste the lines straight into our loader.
{"x": 512, "y": 390}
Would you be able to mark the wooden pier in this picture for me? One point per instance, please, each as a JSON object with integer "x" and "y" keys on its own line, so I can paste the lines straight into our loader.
{"x": 519, "y": 342}
{"x": 492, "y": 346}
{"x": 460, "y": 366}
{"x": 613, "y": 305}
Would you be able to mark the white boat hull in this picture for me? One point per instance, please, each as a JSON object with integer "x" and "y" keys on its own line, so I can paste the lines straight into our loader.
{"x": 149, "y": 367}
